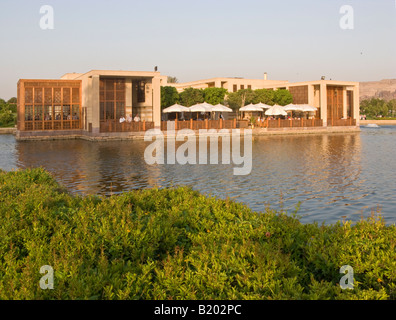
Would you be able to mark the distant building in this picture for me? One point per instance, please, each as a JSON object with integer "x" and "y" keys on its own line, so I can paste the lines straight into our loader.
{"x": 335, "y": 100}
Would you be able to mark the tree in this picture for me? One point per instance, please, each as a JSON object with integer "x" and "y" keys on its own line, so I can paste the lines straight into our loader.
{"x": 12, "y": 100}
{"x": 282, "y": 97}
{"x": 6, "y": 116}
{"x": 214, "y": 95}
{"x": 391, "y": 107}
{"x": 172, "y": 80}
{"x": 374, "y": 107}
{"x": 264, "y": 96}
{"x": 169, "y": 96}
{"x": 191, "y": 96}
{"x": 240, "y": 98}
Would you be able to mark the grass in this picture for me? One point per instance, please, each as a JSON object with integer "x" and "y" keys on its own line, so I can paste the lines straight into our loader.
{"x": 178, "y": 244}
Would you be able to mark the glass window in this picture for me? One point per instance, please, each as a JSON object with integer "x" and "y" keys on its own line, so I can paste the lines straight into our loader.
{"x": 38, "y": 113}
{"x": 66, "y": 112}
{"x": 76, "y": 112}
{"x": 48, "y": 113}
{"x": 28, "y": 113}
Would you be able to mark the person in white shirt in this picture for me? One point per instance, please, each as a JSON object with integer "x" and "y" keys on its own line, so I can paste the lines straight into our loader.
{"x": 122, "y": 119}
{"x": 137, "y": 118}
{"x": 129, "y": 118}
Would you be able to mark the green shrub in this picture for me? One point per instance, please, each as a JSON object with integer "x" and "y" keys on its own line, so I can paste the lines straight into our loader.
{"x": 178, "y": 244}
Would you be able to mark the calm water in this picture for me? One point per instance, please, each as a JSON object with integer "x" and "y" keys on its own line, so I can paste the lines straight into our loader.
{"x": 331, "y": 175}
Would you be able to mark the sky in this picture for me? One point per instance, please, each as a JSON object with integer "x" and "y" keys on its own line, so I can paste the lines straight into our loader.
{"x": 192, "y": 40}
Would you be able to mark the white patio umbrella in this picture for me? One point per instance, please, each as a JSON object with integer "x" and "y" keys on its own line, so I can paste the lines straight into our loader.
{"x": 292, "y": 107}
{"x": 221, "y": 108}
{"x": 262, "y": 105}
{"x": 276, "y": 110}
{"x": 176, "y": 108}
{"x": 308, "y": 108}
{"x": 201, "y": 107}
{"x": 251, "y": 107}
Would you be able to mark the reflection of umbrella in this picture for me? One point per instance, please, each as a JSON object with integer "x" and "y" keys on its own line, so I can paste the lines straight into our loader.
{"x": 176, "y": 108}
{"x": 276, "y": 110}
{"x": 251, "y": 107}
{"x": 262, "y": 105}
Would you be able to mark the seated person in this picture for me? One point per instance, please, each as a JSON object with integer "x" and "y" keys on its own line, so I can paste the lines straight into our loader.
{"x": 129, "y": 118}
{"x": 122, "y": 119}
{"x": 137, "y": 118}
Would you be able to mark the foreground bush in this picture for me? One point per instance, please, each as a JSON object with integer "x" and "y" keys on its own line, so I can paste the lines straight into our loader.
{"x": 178, "y": 244}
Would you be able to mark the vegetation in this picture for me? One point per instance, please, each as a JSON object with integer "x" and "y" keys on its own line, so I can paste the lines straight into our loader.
{"x": 243, "y": 97}
{"x": 169, "y": 96}
{"x": 172, "y": 80}
{"x": 8, "y": 112}
{"x": 191, "y": 96}
{"x": 378, "y": 108}
{"x": 240, "y": 98}
{"x": 178, "y": 244}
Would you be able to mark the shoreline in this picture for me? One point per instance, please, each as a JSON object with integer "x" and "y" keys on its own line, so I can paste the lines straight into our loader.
{"x": 8, "y": 131}
{"x": 26, "y": 136}
{"x": 379, "y": 122}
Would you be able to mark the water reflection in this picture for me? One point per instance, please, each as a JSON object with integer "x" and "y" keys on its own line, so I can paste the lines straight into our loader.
{"x": 323, "y": 172}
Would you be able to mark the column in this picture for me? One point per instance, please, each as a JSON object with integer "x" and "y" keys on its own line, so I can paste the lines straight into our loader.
{"x": 311, "y": 95}
{"x": 323, "y": 103}
{"x": 156, "y": 89}
{"x": 95, "y": 104}
{"x": 128, "y": 96}
{"x": 344, "y": 103}
{"x": 356, "y": 104}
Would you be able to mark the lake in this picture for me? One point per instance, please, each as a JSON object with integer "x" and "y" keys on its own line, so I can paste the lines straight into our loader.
{"x": 330, "y": 175}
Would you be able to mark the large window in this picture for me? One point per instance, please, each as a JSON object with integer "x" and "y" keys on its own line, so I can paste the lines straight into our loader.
{"x": 141, "y": 93}
{"x": 112, "y": 99}
{"x": 49, "y": 105}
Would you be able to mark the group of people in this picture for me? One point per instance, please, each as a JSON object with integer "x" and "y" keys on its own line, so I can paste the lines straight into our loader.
{"x": 129, "y": 118}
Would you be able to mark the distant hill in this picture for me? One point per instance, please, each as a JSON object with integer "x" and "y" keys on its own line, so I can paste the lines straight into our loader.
{"x": 384, "y": 89}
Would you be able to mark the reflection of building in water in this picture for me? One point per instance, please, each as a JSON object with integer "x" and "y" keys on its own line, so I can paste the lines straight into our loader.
{"x": 333, "y": 163}
{"x": 66, "y": 160}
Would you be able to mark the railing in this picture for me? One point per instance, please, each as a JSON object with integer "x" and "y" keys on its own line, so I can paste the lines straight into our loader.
{"x": 198, "y": 124}
{"x": 116, "y": 126}
{"x": 281, "y": 123}
{"x": 341, "y": 122}
{"x": 38, "y": 125}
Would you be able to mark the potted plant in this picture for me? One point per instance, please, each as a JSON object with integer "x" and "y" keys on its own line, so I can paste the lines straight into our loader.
{"x": 252, "y": 121}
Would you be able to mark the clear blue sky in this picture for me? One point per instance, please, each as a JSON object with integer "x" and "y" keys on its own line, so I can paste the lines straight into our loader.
{"x": 290, "y": 40}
